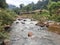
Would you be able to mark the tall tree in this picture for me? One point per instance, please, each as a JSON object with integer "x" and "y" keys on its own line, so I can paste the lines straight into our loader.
{"x": 42, "y": 4}
{"x": 17, "y": 10}
{"x": 21, "y": 6}
{"x": 39, "y": 5}
{"x": 3, "y": 4}
{"x": 32, "y": 5}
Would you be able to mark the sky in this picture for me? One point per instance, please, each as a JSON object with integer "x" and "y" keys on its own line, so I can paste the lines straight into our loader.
{"x": 18, "y": 2}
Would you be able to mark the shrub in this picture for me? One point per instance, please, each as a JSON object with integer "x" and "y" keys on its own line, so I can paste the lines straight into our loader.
{"x": 6, "y": 17}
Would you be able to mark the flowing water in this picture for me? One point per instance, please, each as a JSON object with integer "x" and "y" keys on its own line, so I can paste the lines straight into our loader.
{"x": 20, "y": 29}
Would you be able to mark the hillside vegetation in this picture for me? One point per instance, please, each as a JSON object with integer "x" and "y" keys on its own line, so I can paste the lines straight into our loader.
{"x": 6, "y": 18}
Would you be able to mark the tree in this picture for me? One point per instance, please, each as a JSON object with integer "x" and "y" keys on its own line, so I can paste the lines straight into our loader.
{"x": 53, "y": 7}
{"x": 17, "y": 10}
{"x": 29, "y": 7}
{"x": 55, "y": 0}
{"x": 42, "y": 4}
{"x": 3, "y": 4}
{"x": 45, "y": 3}
{"x": 39, "y": 5}
{"x": 21, "y": 6}
{"x": 33, "y": 6}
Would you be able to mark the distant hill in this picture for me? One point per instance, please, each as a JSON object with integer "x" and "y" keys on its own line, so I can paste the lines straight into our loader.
{"x": 10, "y": 6}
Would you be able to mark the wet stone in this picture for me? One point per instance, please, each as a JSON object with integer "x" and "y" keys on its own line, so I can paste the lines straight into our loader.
{"x": 30, "y": 34}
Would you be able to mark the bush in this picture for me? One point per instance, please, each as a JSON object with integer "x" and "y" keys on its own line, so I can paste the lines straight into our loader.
{"x": 43, "y": 16}
{"x": 6, "y": 17}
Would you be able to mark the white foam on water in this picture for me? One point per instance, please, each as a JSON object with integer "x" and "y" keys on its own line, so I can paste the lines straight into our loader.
{"x": 19, "y": 34}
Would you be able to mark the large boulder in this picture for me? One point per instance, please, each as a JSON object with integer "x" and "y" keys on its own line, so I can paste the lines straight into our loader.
{"x": 30, "y": 34}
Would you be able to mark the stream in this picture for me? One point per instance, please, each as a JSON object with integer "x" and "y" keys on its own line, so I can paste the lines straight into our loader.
{"x": 20, "y": 29}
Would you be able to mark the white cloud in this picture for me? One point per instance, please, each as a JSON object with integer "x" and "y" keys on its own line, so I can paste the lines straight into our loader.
{"x": 18, "y": 2}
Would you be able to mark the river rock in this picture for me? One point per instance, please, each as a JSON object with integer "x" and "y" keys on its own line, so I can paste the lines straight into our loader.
{"x": 30, "y": 34}
{"x": 6, "y": 42}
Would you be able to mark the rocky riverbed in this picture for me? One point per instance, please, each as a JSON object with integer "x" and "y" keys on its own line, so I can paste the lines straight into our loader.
{"x": 39, "y": 35}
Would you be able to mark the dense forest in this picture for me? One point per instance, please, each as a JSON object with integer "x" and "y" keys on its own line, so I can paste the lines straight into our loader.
{"x": 7, "y": 16}
{"x": 44, "y": 4}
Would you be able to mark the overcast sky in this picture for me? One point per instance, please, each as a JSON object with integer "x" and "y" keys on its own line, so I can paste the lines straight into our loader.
{"x": 18, "y": 2}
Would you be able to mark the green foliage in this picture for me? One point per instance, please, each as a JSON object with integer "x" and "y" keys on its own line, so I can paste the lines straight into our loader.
{"x": 21, "y": 6}
{"x": 17, "y": 10}
{"x": 28, "y": 7}
{"x": 4, "y": 35}
{"x": 51, "y": 10}
{"x": 53, "y": 7}
{"x": 58, "y": 18}
{"x": 54, "y": 10}
{"x": 6, "y": 17}
{"x": 55, "y": 0}
{"x": 43, "y": 16}
{"x": 54, "y": 18}
{"x": 3, "y": 4}
{"x": 38, "y": 5}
